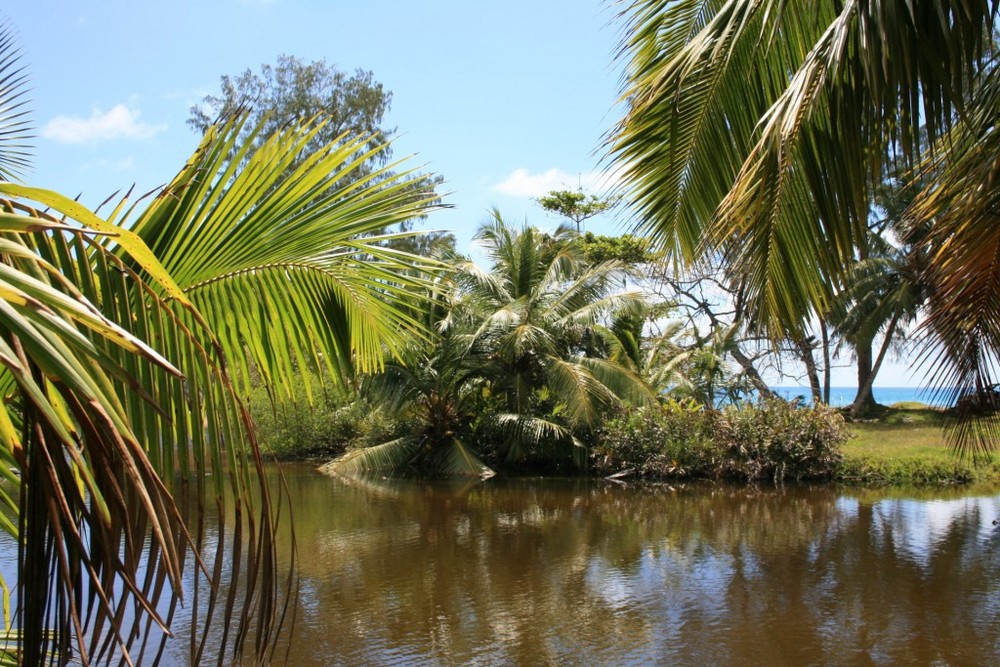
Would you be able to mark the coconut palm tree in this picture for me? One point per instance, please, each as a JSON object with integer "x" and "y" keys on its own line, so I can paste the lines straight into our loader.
{"x": 436, "y": 385}
{"x": 126, "y": 342}
{"x": 884, "y": 289}
{"x": 539, "y": 327}
{"x": 759, "y": 129}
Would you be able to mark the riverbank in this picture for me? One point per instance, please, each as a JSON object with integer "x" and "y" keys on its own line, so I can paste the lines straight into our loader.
{"x": 907, "y": 444}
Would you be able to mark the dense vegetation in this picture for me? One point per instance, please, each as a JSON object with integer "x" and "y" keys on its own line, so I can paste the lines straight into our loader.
{"x": 799, "y": 185}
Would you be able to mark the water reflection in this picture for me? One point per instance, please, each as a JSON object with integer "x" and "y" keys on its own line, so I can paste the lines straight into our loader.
{"x": 571, "y": 572}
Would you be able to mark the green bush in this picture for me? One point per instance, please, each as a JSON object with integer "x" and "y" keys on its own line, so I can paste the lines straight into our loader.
{"x": 771, "y": 440}
{"x": 668, "y": 441}
{"x": 322, "y": 426}
{"x": 776, "y": 440}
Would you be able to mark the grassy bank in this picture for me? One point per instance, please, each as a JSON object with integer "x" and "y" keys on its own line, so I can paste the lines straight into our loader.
{"x": 906, "y": 444}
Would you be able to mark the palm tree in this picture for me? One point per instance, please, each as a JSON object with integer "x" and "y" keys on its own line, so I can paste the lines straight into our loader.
{"x": 758, "y": 129}
{"x": 539, "y": 328}
{"x": 437, "y": 386}
{"x": 126, "y": 342}
{"x": 884, "y": 290}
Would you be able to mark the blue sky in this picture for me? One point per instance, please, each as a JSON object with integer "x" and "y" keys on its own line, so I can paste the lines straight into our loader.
{"x": 504, "y": 100}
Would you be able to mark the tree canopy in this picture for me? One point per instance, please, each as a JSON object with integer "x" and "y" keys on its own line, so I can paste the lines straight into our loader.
{"x": 576, "y": 205}
{"x": 292, "y": 90}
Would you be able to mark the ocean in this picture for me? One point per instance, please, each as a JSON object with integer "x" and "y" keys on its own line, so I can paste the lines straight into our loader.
{"x": 841, "y": 396}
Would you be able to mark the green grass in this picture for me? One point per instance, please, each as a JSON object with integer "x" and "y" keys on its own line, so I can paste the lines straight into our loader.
{"x": 906, "y": 444}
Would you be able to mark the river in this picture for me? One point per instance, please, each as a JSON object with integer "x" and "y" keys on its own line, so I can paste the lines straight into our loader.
{"x": 575, "y": 572}
{"x": 571, "y": 572}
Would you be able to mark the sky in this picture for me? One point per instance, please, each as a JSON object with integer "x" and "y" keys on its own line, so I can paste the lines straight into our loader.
{"x": 506, "y": 101}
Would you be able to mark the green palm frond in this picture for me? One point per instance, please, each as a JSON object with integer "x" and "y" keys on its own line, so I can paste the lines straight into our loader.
{"x": 583, "y": 397}
{"x": 114, "y": 377}
{"x": 521, "y": 431}
{"x": 624, "y": 384}
{"x": 458, "y": 460}
{"x": 389, "y": 457}
{"x": 300, "y": 251}
{"x": 15, "y": 125}
{"x": 759, "y": 129}
{"x": 961, "y": 205}
{"x": 97, "y": 422}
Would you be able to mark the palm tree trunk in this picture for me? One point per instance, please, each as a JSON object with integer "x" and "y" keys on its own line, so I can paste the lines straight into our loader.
{"x": 864, "y": 401}
{"x": 806, "y": 346}
{"x": 825, "y": 333}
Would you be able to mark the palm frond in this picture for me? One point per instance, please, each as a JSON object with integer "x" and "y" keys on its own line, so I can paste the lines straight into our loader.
{"x": 98, "y": 424}
{"x": 299, "y": 250}
{"x": 458, "y": 460}
{"x": 962, "y": 203}
{"x": 521, "y": 431}
{"x": 583, "y": 397}
{"x": 766, "y": 125}
{"x": 621, "y": 382}
{"x": 15, "y": 124}
{"x": 389, "y": 457}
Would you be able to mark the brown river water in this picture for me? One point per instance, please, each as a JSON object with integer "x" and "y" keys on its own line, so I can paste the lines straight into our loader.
{"x": 571, "y": 572}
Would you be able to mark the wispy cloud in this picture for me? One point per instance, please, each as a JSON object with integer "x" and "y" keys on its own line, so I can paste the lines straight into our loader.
{"x": 119, "y": 122}
{"x": 522, "y": 183}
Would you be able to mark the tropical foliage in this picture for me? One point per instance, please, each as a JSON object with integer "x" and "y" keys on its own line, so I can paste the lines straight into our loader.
{"x": 522, "y": 364}
{"x": 771, "y": 440}
{"x": 127, "y": 342}
{"x": 759, "y": 131}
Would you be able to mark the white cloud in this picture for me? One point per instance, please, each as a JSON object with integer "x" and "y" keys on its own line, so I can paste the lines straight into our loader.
{"x": 117, "y": 123}
{"x": 522, "y": 183}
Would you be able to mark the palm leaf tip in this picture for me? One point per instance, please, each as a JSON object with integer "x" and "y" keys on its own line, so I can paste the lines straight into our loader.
{"x": 15, "y": 123}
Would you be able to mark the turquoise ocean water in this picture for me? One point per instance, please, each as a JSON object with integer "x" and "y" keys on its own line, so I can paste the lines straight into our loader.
{"x": 840, "y": 396}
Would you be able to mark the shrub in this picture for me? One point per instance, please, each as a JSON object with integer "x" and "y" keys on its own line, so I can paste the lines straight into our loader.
{"x": 777, "y": 440}
{"x": 770, "y": 440}
{"x": 667, "y": 441}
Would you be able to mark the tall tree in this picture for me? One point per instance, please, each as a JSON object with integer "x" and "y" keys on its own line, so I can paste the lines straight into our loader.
{"x": 576, "y": 205}
{"x": 292, "y": 90}
{"x": 759, "y": 130}
{"x": 885, "y": 289}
